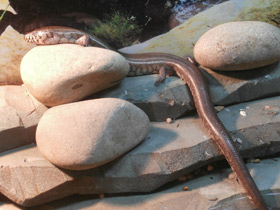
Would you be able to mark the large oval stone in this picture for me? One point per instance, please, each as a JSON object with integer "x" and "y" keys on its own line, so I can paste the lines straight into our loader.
{"x": 239, "y": 46}
{"x": 88, "y": 134}
{"x": 64, "y": 73}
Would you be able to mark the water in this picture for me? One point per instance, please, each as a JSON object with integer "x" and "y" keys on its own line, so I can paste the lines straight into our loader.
{"x": 185, "y": 9}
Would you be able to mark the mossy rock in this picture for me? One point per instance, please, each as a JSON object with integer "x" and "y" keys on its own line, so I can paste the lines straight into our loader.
{"x": 181, "y": 40}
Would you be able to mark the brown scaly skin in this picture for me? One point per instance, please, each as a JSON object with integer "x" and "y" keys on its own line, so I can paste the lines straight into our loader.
{"x": 150, "y": 63}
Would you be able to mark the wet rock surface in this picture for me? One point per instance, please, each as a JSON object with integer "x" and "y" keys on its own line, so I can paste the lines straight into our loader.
{"x": 169, "y": 151}
{"x": 184, "y": 10}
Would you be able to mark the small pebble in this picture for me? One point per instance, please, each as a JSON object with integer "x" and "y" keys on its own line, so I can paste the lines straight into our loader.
{"x": 169, "y": 120}
{"x": 239, "y": 140}
{"x": 197, "y": 172}
{"x": 171, "y": 103}
{"x": 257, "y": 160}
{"x": 232, "y": 176}
{"x": 189, "y": 176}
{"x": 253, "y": 160}
{"x": 243, "y": 113}
{"x": 185, "y": 188}
{"x": 182, "y": 178}
{"x": 210, "y": 168}
{"x": 267, "y": 107}
{"x": 213, "y": 199}
{"x": 219, "y": 108}
{"x": 268, "y": 76}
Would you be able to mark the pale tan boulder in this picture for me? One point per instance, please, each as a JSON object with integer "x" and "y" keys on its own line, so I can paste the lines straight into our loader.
{"x": 4, "y": 4}
{"x": 88, "y": 134}
{"x": 64, "y": 73}
{"x": 13, "y": 48}
{"x": 20, "y": 114}
{"x": 239, "y": 46}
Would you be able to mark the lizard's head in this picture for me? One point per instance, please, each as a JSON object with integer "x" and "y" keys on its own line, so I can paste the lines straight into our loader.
{"x": 40, "y": 37}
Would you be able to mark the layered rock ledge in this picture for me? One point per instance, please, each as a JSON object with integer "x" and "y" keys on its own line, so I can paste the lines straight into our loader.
{"x": 216, "y": 191}
{"x": 173, "y": 98}
{"x": 169, "y": 151}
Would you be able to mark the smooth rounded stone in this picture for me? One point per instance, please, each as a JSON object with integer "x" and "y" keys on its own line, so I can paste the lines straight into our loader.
{"x": 88, "y": 134}
{"x": 59, "y": 74}
{"x": 239, "y": 46}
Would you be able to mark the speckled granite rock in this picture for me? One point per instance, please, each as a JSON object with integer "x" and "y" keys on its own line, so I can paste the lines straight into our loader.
{"x": 169, "y": 151}
{"x": 88, "y": 134}
{"x": 55, "y": 75}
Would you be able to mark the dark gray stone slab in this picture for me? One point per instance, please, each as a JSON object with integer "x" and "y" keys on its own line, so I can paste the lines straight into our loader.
{"x": 169, "y": 151}
{"x": 173, "y": 99}
{"x": 216, "y": 191}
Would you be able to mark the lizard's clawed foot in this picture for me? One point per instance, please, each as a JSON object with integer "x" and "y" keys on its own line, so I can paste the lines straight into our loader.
{"x": 191, "y": 60}
{"x": 83, "y": 40}
{"x": 164, "y": 71}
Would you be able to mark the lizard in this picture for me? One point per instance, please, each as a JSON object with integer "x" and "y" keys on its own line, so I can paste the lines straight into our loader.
{"x": 162, "y": 64}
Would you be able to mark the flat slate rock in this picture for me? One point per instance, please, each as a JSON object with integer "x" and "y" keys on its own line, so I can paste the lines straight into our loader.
{"x": 216, "y": 191}
{"x": 20, "y": 113}
{"x": 173, "y": 99}
{"x": 169, "y": 151}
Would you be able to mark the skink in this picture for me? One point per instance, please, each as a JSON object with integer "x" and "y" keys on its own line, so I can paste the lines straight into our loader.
{"x": 150, "y": 63}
